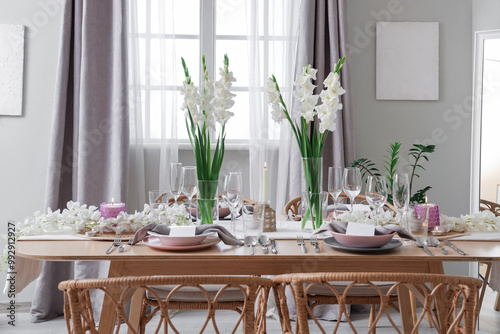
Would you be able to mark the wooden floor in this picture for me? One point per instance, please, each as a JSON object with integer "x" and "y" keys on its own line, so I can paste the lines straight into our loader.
{"x": 489, "y": 321}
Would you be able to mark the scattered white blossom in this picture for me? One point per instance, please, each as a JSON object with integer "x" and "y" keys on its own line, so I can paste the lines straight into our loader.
{"x": 77, "y": 218}
{"x": 483, "y": 221}
{"x": 369, "y": 217}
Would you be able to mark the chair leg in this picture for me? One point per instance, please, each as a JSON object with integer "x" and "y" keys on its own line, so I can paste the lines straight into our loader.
{"x": 373, "y": 315}
{"x": 497, "y": 302}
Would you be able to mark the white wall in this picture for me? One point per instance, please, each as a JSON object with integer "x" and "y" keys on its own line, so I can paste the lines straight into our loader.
{"x": 24, "y": 140}
{"x": 445, "y": 122}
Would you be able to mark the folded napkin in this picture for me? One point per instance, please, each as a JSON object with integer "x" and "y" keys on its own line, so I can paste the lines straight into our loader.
{"x": 221, "y": 231}
{"x": 341, "y": 227}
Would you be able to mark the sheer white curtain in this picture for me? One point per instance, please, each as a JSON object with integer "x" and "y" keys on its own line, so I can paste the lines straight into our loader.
{"x": 153, "y": 93}
{"x": 272, "y": 47}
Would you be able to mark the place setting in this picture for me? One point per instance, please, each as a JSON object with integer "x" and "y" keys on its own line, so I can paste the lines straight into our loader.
{"x": 363, "y": 238}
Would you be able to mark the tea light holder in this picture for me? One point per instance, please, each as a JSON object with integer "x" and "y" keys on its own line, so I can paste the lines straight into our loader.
{"x": 111, "y": 209}
{"x": 438, "y": 230}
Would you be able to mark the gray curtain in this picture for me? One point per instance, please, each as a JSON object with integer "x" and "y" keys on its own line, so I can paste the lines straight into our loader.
{"x": 323, "y": 39}
{"x": 89, "y": 142}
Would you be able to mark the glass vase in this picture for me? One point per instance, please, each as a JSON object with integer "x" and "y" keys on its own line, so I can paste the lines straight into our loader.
{"x": 208, "y": 202}
{"x": 312, "y": 193}
{"x": 317, "y": 204}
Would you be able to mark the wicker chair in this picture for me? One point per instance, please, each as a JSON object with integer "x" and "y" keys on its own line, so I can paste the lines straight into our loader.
{"x": 293, "y": 206}
{"x": 452, "y": 302}
{"x": 485, "y": 205}
{"x": 78, "y": 307}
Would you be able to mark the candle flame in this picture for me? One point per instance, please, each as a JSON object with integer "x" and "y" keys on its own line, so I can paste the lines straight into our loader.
{"x": 425, "y": 199}
{"x": 265, "y": 164}
{"x": 113, "y": 200}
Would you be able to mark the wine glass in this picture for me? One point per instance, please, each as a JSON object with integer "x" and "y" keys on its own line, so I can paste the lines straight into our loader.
{"x": 352, "y": 183}
{"x": 335, "y": 183}
{"x": 232, "y": 194}
{"x": 175, "y": 179}
{"x": 376, "y": 193}
{"x": 401, "y": 196}
{"x": 189, "y": 184}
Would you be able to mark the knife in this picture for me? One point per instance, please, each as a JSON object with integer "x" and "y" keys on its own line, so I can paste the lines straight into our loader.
{"x": 459, "y": 251}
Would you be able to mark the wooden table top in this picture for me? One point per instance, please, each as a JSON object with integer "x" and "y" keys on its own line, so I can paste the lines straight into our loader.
{"x": 287, "y": 249}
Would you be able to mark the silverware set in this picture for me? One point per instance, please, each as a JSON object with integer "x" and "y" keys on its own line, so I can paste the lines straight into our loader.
{"x": 434, "y": 242}
{"x": 313, "y": 241}
{"x": 117, "y": 242}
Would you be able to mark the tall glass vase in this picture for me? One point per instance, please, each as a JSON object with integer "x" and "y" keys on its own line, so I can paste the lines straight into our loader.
{"x": 312, "y": 185}
{"x": 208, "y": 201}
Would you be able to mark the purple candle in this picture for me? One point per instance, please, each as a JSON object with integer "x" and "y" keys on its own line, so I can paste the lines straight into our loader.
{"x": 111, "y": 209}
{"x": 421, "y": 211}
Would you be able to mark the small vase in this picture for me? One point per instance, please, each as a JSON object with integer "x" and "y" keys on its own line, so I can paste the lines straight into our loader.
{"x": 208, "y": 202}
{"x": 312, "y": 185}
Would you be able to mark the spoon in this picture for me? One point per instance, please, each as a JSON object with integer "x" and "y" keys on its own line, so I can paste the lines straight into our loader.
{"x": 434, "y": 242}
{"x": 421, "y": 243}
{"x": 264, "y": 241}
{"x": 250, "y": 241}
{"x": 273, "y": 247}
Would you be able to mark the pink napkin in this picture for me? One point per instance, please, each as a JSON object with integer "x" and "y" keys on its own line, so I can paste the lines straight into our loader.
{"x": 341, "y": 227}
{"x": 221, "y": 231}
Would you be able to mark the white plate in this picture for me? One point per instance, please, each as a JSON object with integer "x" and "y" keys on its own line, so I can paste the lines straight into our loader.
{"x": 180, "y": 241}
{"x": 154, "y": 242}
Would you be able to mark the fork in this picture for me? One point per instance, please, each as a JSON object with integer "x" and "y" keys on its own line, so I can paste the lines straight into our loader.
{"x": 314, "y": 242}
{"x": 122, "y": 247}
{"x": 300, "y": 241}
{"x": 116, "y": 242}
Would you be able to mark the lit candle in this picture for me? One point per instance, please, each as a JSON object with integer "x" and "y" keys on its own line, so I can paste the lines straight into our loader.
{"x": 111, "y": 209}
{"x": 438, "y": 230}
{"x": 430, "y": 211}
{"x": 264, "y": 183}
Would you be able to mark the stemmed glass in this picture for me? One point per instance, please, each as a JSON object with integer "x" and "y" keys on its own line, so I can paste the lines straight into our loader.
{"x": 376, "y": 193}
{"x": 401, "y": 198}
{"x": 335, "y": 183}
{"x": 189, "y": 184}
{"x": 352, "y": 183}
{"x": 232, "y": 194}
{"x": 175, "y": 179}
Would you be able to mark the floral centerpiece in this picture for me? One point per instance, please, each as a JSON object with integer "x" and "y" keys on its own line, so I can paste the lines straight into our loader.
{"x": 204, "y": 108}
{"x": 79, "y": 218}
{"x": 310, "y": 146}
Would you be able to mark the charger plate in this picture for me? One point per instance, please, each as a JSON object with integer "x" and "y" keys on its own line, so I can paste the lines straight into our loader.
{"x": 394, "y": 243}
{"x": 107, "y": 236}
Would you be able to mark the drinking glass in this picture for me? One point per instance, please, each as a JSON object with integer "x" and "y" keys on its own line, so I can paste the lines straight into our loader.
{"x": 232, "y": 194}
{"x": 418, "y": 226}
{"x": 189, "y": 185}
{"x": 376, "y": 193}
{"x": 352, "y": 183}
{"x": 401, "y": 196}
{"x": 175, "y": 179}
{"x": 253, "y": 221}
{"x": 157, "y": 197}
{"x": 335, "y": 183}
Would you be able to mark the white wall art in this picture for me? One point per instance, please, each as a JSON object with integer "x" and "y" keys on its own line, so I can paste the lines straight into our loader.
{"x": 11, "y": 69}
{"x": 407, "y": 61}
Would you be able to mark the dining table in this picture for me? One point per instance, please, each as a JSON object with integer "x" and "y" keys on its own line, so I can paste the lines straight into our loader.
{"x": 221, "y": 259}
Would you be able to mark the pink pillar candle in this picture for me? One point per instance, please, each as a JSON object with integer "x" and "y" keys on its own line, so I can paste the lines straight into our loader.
{"x": 421, "y": 211}
{"x": 111, "y": 209}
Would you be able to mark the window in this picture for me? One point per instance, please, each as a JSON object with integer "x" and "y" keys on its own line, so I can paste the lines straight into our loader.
{"x": 212, "y": 28}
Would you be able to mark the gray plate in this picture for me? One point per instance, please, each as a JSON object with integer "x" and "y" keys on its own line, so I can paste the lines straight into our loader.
{"x": 387, "y": 247}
